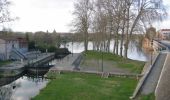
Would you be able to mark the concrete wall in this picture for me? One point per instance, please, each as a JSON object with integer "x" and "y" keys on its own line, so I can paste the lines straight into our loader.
{"x": 6, "y": 47}
{"x": 10, "y": 45}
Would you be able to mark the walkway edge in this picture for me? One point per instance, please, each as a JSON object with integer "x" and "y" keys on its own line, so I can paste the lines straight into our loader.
{"x": 162, "y": 72}
{"x": 77, "y": 61}
{"x": 141, "y": 81}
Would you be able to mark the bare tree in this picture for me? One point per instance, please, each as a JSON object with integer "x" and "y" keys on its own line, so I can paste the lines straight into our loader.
{"x": 4, "y": 11}
{"x": 115, "y": 19}
{"x": 149, "y": 10}
{"x": 82, "y": 12}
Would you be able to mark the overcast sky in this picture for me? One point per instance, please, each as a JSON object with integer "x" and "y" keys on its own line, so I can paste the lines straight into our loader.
{"x": 43, "y": 15}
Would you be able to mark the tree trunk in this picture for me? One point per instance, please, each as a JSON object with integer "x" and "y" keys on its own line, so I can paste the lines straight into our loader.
{"x": 127, "y": 35}
{"x": 114, "y": 47}
{"x": 86, "y": 41}
{"x": 122, "y": 35}
{"x": 117, "y": 40}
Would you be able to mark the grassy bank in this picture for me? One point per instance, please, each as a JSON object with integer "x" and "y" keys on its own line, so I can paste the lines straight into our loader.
{"x": 79, "y": 86}
{"x": 147, "y": 97}
{"x": 2, "y": 63}
{"x": 117, "y": 61}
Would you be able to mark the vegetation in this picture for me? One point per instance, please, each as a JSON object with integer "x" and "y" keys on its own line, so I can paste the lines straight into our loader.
{"x": 79, "y": 86}
{"x": 2, "y": 63}
{"x": 4, "y": 11}
{"x": 49, "y": 48}
{"x": 115, "y": 19}
{"x": 62, "y": 51}
{"x": 132, "y": 65}
{"x": 147, "y": 97}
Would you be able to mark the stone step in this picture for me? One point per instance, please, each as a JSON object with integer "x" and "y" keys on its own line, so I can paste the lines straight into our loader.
{"x": 105, "y": 75}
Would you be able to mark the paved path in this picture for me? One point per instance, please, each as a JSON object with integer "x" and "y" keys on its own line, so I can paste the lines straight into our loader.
{"x": 66, "y": 62}
{"x": 108, "y": 66}
{"x": 153, "y": 77}
{"x": 163, "y": 89}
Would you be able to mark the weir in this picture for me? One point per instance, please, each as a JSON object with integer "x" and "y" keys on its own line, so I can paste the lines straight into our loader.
{"x": 45, "y": 58}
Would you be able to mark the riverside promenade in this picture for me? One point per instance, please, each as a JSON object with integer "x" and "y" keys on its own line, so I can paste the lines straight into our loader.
{"x": 156, "y": 77}
{"x": 67, "y": 63}
{"x": 163, "y": 88}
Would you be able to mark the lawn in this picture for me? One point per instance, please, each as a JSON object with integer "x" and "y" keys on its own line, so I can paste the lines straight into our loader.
{"x": 79, "y": 86}
{"x": 132, "y": 65}
{"x": 147, "y": 97}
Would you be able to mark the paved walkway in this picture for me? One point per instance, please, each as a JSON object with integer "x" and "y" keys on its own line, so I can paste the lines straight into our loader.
{"x": 65, "y": 63}
{"x": 108, "y": 66}
{"x": 163, "y": 89}
{"x": 153, "y": 77}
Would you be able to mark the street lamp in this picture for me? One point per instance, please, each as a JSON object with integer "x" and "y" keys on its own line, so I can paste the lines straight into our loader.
{"x": 102, "y": 57}
{"x": 102, "y": 61}
{"x": 36, "y": 50}
{"x": 151, "y": 50}
{"x": 72, "y": 47}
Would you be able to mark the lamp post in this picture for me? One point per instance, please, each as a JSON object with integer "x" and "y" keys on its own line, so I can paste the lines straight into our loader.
{"x": 102, "y": 60}
{"x": 72, "y": 47}
{"x": 102, "y": 57}
{"x": 151, "y": 50}
{"x": 36, "y": 50}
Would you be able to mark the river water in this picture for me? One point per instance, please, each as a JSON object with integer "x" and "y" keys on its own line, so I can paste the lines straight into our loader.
{"x": 23, "y": 86}
{"x": 133, "y": 52}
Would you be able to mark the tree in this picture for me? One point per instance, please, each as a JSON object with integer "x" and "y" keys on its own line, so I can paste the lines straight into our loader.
{"x": 27, "y": 37}
{"x": 82, "y": 12}
{"x": 141, "y": 11}
{"x": 4, "y": 11}
{"x": 116, "y": 19}
{"x": 150, "y": 33}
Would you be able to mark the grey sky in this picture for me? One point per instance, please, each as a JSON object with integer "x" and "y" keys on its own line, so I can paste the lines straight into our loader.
{"x": 42, "y": 15}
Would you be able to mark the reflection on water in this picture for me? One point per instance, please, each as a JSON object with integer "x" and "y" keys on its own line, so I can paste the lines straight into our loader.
{"x": 133, "y": 52}
{"x": 23, "y": 87}
{"x": 28, "y": 87}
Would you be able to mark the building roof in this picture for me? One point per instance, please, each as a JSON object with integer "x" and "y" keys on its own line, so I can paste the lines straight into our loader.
{"x": 8, "y": 39}
{"x": 165, "y": 29}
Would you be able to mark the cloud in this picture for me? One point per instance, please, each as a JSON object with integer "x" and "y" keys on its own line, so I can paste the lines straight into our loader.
{"x": 36, "y": 15}
{"x": 42, "y": 15}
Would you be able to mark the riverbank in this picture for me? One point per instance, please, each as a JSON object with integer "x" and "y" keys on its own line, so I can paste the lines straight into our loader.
{"x": 70, "y": 85}
{"x": 92, "y": 61}
{"x": 80, "y": 86}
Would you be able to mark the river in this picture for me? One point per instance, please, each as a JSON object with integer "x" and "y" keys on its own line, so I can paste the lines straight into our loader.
{"x": 23, "y": 86}
{"x": 133, "y": 52}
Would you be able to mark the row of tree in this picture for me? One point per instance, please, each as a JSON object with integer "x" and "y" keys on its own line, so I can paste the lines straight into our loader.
{"x": 115, "y": 19}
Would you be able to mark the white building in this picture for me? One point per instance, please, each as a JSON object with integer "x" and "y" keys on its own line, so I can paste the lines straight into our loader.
{"x": 7, "y": 45}
{"x": 164, "y": 34}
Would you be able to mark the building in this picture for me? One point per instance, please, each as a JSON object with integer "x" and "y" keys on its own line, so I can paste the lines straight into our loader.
{"x": 12, "y": 47}
{"x": 164, "y": 34}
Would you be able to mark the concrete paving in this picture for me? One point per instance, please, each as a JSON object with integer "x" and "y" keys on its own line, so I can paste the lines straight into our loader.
{"x": 163, "y": 89}
{"x": 66, "y": 62}
{"x": 153, "y": 77}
